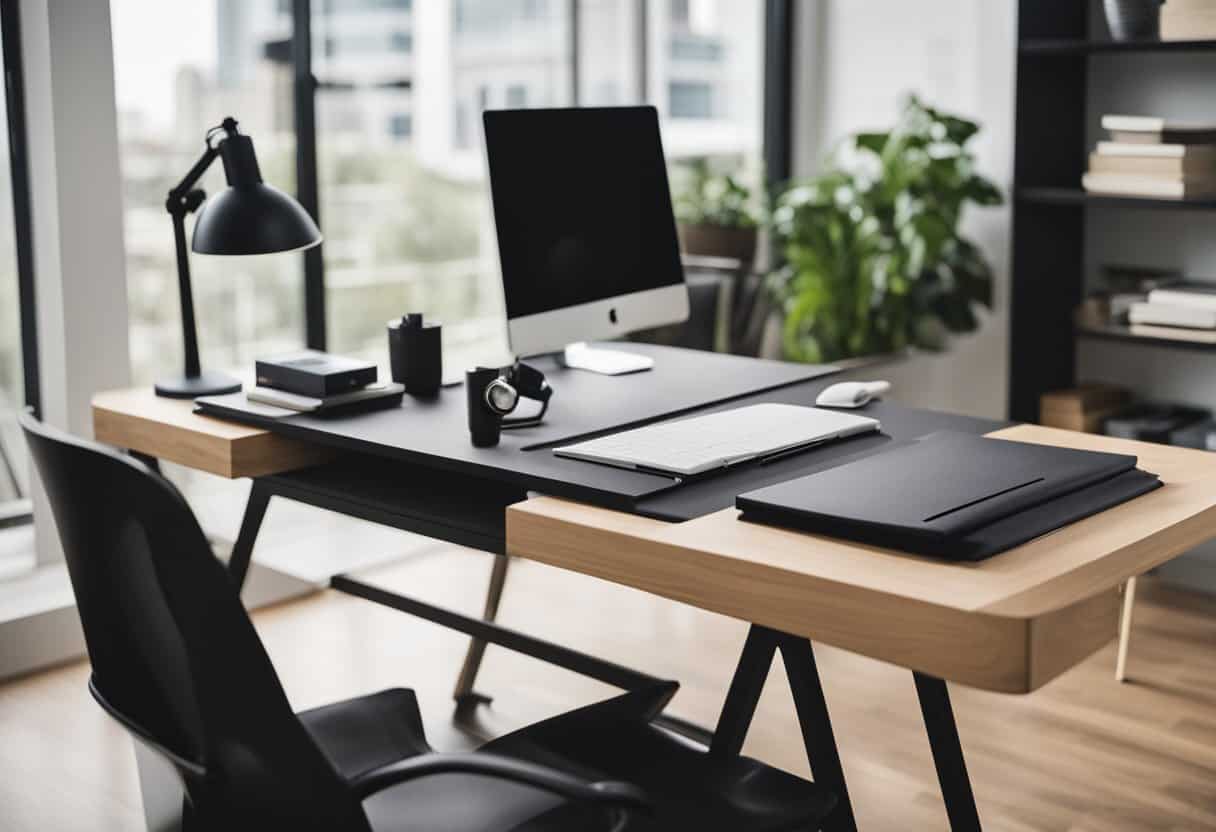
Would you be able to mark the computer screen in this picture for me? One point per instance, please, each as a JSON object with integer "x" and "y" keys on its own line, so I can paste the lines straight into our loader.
{"x": 582, "y": 206}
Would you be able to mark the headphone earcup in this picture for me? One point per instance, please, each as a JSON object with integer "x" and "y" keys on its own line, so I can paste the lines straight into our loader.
{"x": 500, "y": 397}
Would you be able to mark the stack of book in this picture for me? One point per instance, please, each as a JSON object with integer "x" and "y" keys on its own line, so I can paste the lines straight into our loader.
{"x": 311, "y": 381}
{"x": 1154, "y": 157}
{"x": 1188, "y": 20}
{"x": 1181, "y": 311}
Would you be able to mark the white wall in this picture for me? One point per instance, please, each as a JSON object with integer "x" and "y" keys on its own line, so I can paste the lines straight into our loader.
{"x": 856, "y": 60}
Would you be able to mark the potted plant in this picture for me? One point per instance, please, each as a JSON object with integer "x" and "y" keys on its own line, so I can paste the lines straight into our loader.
{"x": 717, "y": 215}
{"x": 874, "y": 261}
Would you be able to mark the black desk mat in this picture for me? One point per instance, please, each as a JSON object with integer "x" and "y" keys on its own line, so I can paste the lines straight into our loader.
{"x": 433, "y": 432}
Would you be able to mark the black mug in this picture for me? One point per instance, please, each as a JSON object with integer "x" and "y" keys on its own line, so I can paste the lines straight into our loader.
{"x": 415, "y": 353}
{"x": 485, "y": 423}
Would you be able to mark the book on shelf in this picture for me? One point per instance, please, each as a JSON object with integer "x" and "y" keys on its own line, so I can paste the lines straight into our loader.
{"x": 1188, "y": 293}
{"x": 1168, "y": 314}
{"x": 1127, "y": 184}
{"x": 1193, "y": 166}
{"x": 1205, "y": 152}
{"x": 1188, "y": 20}
{"x": 1157, "y": 130}
{"x": 1174, "y": 333}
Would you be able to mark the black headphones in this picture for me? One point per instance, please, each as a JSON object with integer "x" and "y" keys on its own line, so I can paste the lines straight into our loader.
{"x": 518, "y": 381}
{"x": 493, "y": 393}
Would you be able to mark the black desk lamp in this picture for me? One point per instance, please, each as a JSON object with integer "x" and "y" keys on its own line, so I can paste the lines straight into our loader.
{"x": 249, "y": 217}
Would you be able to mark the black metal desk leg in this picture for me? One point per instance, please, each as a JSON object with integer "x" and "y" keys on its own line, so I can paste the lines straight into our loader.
{"x": 464, "y": 694}
{"x": 744, "y": 693}
{"x": 947, "y": 753}
{"x": 242, "y": 549}
{"x": 799, "y": 657}
{"x": 817, "y": 734}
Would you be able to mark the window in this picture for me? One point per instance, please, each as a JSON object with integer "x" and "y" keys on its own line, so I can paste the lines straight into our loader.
{"x": 400, "y": 125}
{"x": 690, "y": 99}
{"x": 407, "y": 224}
{"x": 17, "y": 554}
{"x": 169, "y": 92}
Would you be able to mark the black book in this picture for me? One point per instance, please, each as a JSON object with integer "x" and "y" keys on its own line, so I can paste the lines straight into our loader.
{"x": 316, "y": 374}
{"x": 952, "y": 495}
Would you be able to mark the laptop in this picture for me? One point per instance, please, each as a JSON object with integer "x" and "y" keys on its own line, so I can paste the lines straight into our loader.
{"x": 699, "y": 444}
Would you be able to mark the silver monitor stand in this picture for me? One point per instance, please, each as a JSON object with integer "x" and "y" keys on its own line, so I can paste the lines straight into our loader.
{"x": 581, "y": 356}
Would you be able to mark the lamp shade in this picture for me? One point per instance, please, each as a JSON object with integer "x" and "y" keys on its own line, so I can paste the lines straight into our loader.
{"x": 253, "y": 218}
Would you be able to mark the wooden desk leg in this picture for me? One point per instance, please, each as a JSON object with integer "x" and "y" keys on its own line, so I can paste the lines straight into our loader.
{"x": 817, "y": 735}
{"x": 1125, "y": 629}
{"x": 464, "y": 694}
{"x": 947, "y": 754}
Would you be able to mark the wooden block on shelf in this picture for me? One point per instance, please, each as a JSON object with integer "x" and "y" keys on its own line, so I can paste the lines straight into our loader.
{"x": 1082, "y": 408}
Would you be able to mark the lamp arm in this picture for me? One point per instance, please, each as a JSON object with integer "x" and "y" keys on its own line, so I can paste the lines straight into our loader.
{"x": 179, "y": 191}
{"x": 182, "y": 200}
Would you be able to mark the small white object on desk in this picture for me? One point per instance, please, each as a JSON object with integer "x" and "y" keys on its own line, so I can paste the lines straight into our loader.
{"x": 852, "y": 393}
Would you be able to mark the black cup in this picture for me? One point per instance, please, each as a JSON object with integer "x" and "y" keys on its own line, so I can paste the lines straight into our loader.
{"x": 485, "y": 424}
{"x": 415, "y": 352}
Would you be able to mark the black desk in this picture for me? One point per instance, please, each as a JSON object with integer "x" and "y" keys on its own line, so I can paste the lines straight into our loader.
{"x": 461, "y": 497}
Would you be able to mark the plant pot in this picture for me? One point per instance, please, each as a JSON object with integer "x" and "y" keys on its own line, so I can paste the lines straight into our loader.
{"x": 719, "y": 241}
{"x": 1133, "y": 19}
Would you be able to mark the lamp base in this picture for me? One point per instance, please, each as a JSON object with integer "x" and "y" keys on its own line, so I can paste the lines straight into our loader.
{"x": 191, "y": 387}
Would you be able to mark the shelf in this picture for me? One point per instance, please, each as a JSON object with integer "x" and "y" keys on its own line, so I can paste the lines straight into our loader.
{"x": 1069, "y": 46}
{"x": 1118, "y": 332}
{"x": 1078, "y": 196}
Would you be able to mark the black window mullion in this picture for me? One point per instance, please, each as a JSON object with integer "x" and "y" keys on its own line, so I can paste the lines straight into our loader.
{"x": 304, "y": 95}
{"x": 14, "y": 81}
{"x": 778, "y": 101}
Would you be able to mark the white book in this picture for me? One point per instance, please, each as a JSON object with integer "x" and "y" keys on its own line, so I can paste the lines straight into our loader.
{"x": 1175, "y": 333}
{"x": 1153, "y": 124}
{"x": 1158, "y": 151}
{"x": 1163, "y": 314}
{"x": 1194, "y": 296}
{"x": 1126, "y": 184}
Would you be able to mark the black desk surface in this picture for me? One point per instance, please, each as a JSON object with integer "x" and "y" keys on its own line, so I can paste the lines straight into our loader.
{"x": 433, "y": 433}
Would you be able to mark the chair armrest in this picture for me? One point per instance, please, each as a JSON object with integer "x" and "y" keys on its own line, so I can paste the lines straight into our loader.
{"x": 609, "y": 793}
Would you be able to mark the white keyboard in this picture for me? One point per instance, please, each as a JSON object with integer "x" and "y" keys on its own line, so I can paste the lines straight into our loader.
{"x": 702, "y": 443}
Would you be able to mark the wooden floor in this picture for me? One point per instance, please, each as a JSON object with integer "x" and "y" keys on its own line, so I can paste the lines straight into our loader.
{"x": 1083, "y": 754}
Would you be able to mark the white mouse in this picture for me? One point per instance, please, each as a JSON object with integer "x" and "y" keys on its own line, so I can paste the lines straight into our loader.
{"x": 852, "y": 393}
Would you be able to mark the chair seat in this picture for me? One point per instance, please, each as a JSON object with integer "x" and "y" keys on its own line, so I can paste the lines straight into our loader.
{"x": 609, "y": 740}
{"x": 691, "y": 788}
{"x": 367, "y": 732}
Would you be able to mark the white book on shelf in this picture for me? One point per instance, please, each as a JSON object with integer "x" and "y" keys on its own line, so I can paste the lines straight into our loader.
{"x": 1127, "y": 184}
{"x": 1194, "y": 295}
{"x": 1168, "y": 151}
{"x": 1163, "y": 314}
{"x": 1175, "y": 333}
{"x": 1154, "y": 124}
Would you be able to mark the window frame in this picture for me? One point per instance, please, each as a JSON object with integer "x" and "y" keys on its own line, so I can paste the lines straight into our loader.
{"x": 777, "y": 119}
{"x": 14, "y": 81}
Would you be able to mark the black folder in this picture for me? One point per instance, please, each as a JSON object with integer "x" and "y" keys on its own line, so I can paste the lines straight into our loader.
{"x": 952, "y": 495}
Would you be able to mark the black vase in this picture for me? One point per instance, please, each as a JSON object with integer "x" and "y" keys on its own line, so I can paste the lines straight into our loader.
{"x": 1133, "y": 19}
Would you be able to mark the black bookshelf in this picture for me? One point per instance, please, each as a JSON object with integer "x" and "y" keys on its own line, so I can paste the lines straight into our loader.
{"x": 1078, "y": 196}
{"x": 1118, "y": 332}
{"x": 1075, "y": 46}
{"x": 1058, "y": 43}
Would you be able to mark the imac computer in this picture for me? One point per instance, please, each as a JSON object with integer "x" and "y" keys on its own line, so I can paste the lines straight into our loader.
{"x": 586, "y": 236}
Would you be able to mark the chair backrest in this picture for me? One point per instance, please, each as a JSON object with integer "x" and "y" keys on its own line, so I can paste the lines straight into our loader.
{"x": 175, "y": 656}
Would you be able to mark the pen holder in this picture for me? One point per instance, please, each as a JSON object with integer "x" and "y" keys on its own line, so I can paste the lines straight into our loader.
{"x": 485, "y": 423}
{"x": 415, "y": 354}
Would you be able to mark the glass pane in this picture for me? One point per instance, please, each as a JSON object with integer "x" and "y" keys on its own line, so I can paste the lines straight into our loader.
{"x": 16, "y": 541}
{"x": 179, "y": 69}
{"x": 404, "y": 204}
{"x": 706, "y": 78}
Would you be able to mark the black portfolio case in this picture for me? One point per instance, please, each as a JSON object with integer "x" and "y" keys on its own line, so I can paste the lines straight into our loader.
{"x": 952, "y": 495}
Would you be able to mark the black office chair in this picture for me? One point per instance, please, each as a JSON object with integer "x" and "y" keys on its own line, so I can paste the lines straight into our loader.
{"x": 176, "y": 660}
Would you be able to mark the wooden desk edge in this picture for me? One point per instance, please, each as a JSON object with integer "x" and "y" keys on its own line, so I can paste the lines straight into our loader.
{"x": 129, "y": 419}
